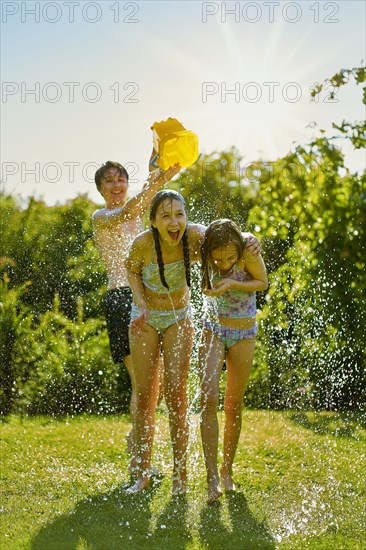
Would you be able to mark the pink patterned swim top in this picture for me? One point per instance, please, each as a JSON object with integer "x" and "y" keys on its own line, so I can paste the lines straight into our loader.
{"x": 236, "y": 303}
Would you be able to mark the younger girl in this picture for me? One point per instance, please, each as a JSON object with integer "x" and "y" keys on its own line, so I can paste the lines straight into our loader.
{"x": 230, "y": 277}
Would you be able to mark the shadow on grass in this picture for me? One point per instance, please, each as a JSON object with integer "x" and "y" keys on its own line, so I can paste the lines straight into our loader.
{"x": 336, "y": 424}
{"x": 108, "y": 521}
{"x": 245, "y": 531}
{"x": 172, "y": 531}
{"x": 115, "y": 521}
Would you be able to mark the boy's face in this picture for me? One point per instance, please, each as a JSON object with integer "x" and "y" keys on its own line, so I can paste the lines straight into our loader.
{"x": 113, "y": 188}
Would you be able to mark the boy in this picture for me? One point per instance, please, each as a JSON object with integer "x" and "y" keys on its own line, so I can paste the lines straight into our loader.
{"x": 115, "y": 226}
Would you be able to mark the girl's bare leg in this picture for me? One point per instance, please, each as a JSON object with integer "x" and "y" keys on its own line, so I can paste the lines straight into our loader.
{"x": 161, "y": 379}
{"x": 239, "y": 360}
{"x": 133, "y": 406}
{"x": 130, "y": 437}
{"x": 145, "y": 351}
{"x": 177, "y": 346}
{"x": 211, "y": 357}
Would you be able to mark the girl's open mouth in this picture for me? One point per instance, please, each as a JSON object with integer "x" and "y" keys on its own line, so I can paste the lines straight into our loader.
{"x": 174, "y": 235}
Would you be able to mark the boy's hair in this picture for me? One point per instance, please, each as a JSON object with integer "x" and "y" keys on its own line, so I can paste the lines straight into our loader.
{"x": 219, "y": 233}
{"x": 160, "y": 197}
{"x": 109, "y": 164}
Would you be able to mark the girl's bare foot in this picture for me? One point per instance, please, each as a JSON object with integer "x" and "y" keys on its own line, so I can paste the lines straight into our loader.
{"x": 140, "y": 485}
{"x": 227, "y": 482}
{"x": 213, "y": 490}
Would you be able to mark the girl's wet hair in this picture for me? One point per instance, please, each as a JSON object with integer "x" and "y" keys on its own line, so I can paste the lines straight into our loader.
{"x": 218, "y": 234}
{"x": 160, "y": 197}
{"x": 109, "y": 164}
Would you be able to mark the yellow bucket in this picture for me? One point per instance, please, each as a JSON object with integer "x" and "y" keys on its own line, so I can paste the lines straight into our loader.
{"x": 174, "y": 144}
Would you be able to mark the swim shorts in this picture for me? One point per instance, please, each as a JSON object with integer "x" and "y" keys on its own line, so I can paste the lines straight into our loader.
{"x": 117, "y": 304}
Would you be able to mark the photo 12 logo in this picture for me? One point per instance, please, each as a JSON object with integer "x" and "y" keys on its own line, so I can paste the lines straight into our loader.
{"x": 71, "y": 12}
{"x": 55, "y": 172}
{"x": 243, "y": 174}
{"x": 69, "y": 92}
{"x": 269, "y": 12}
{"x": 254, "y": 92}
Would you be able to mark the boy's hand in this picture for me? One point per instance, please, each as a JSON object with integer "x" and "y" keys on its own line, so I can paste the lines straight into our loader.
{"x": 152, "y": 159}
{"x": 158, "y": 172}
{"x": 253, "y": 245}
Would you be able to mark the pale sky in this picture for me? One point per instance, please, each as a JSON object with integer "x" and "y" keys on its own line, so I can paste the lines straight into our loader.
{"x": 82, "y": 82}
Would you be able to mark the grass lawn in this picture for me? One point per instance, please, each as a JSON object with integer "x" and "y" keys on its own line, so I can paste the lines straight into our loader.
{"x": 301, "y": 484}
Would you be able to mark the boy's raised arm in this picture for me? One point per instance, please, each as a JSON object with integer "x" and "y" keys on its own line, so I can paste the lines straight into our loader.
{"x": 138, "y": 204}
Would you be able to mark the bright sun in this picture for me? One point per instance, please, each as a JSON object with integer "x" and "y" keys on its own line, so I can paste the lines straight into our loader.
{"x": 258, "y": 100}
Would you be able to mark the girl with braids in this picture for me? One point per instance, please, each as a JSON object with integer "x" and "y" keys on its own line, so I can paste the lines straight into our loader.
{"x": 159, "y": 275}
{"x": 158, "y": 268}
{"x": 230, "y": 279}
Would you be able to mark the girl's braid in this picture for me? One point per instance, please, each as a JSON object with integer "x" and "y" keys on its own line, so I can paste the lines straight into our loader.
{"x": 159, "y": 255}
{"x": 205, "y": 264}
{"x": 187, "y": 263}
